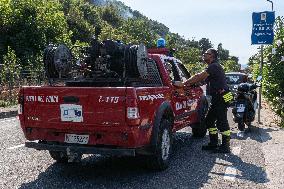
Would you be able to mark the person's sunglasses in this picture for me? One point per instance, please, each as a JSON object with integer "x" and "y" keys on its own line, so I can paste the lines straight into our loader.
{"x": 207, "y": 53}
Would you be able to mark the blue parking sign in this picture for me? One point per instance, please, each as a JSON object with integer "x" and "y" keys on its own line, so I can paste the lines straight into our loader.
{"x": 262, "y": 27}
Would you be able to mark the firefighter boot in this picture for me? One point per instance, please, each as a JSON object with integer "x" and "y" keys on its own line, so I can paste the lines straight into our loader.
{"x": 213, "y": 136}
{"x": 225, "y": 146}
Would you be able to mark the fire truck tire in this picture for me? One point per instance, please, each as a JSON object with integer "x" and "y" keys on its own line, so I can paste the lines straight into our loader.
{"x": 199, "y": 129}
{"x": 162, "y": 151}
{"x": 58, "y": 156}
{"x": 199, "y": 132}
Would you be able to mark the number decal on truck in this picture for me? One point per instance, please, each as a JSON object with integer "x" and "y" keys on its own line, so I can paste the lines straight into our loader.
{"x": 184, "y": 104}
{"x": 71, "y": 112}
{"x": 151, "y": 97}
{"x": 41, "y": 99}
{"x": 109, "y": 99}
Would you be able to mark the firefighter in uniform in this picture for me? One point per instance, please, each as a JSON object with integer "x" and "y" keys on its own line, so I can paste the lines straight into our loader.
{"x": 216, "y": 119}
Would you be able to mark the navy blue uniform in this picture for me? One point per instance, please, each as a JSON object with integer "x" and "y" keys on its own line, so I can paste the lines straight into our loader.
{"x": 217, "y": 115}
{"x": 216, "y": 80}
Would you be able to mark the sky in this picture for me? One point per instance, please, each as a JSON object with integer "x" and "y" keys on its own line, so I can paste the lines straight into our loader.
{"x": 221, "y": 21}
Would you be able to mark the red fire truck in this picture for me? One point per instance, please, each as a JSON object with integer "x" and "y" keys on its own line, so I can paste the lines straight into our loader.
{"x": 112, "y": 112}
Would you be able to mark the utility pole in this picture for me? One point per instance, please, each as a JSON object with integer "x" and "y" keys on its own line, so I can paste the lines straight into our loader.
{"x": 270, "y": 1}
{"x": 261, "y": 70}
{"x": 260, "y": 88}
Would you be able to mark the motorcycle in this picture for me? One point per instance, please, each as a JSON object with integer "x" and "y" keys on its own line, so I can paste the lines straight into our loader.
{"x": 245, "y": 105}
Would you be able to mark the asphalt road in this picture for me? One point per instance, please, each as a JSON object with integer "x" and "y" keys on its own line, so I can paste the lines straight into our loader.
{"x": 190, "y": 167}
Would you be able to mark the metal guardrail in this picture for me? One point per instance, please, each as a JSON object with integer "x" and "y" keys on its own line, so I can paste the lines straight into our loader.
{"x": 11, "y": 83}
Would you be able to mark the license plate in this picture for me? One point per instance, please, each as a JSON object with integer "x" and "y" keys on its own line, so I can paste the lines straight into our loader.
{"x": 71, "y": 112}
{"x": 77, "y": 139}
{"x": 240, "y": 108}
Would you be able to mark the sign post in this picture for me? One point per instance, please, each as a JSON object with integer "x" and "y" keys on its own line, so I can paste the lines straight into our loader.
{"x": 262, "y": 34}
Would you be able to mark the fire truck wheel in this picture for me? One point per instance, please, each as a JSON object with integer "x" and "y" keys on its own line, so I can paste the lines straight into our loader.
{"x": 60, "y": 157}
{"x": 162, "y": 151}
{"x": 199, "y": 132}
{"x": 199, "y": 129}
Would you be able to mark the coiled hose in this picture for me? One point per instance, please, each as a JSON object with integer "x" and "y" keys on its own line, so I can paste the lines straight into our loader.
{"x": 48, "y": 58}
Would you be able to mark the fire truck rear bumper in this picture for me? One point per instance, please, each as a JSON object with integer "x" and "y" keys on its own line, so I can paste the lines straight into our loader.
{"x": 81, "y": 149}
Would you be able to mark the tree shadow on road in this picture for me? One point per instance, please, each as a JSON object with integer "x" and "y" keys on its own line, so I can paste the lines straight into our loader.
{"x": 248, "y": 171}
{"x": 256, "y": 133}
{"x": 189, "y": 168}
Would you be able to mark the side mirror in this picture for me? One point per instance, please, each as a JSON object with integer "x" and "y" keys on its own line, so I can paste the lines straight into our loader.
{"x": 178, "y": 84}
{"x": 259, "y": 78}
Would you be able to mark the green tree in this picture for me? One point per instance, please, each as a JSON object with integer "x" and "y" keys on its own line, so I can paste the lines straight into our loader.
{"x": 10, "y": 69}
{"x": 230, "y": 65}
{"x": 192, "y": 59}
{"x": 81, "y": 29}
{"x": 273, "y": 69}
{"x": 137, "y": 31}
{"x": 205, "y": 44}
{"x": 111, "y": 15}
{"x": 31, "y": 27}
{"x": 175, "y": 41}
{"x": 223, "y": 53}
{"x": 82, "y": 18}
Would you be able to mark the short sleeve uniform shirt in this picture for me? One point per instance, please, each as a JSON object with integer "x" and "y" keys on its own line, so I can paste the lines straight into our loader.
{"x": 216, "y": 80}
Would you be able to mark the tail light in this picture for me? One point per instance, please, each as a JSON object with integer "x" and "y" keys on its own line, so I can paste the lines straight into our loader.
{"x": 132, "y": 110}
{"x": 133, "y": 117}
{"x": 20, "y": 102}
{"x": 20, "y": 109}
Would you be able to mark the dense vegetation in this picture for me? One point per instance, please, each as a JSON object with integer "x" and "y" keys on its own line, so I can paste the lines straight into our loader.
{"x": 27, "y": 27}
{"x": 273, "y": 69}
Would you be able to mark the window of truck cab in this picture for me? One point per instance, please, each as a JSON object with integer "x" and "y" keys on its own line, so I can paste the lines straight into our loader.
{"x": 182, "y": 71}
